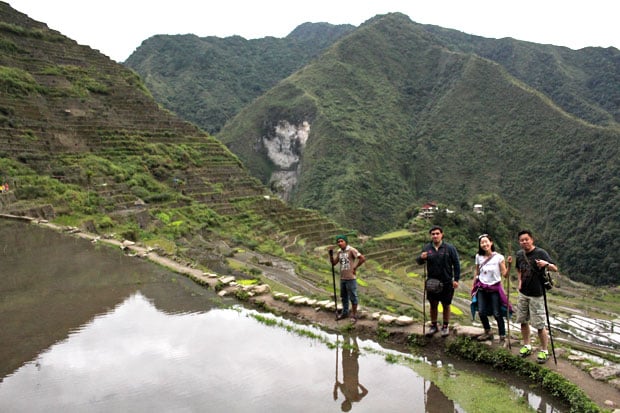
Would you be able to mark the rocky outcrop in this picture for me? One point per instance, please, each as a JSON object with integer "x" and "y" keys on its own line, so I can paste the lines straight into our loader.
{"x": 285, "y": 149}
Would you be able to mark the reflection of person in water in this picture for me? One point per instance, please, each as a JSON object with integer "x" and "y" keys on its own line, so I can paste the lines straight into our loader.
{"x": 350, "y": 387}
{"x": 436, "y": 401}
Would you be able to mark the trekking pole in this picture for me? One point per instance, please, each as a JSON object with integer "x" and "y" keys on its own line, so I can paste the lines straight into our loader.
{"x": 331, "y": 261}
{"x": 508, "y": 304}
{"x": 424, "y": 301}
{"x": 549, "y": 325}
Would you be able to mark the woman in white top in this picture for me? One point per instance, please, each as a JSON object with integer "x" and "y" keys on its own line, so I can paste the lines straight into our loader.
{"x": 490, "y": 268}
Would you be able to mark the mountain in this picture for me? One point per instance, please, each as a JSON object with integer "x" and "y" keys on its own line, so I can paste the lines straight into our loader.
{"x": 395, "y": 114}
{"x": 208, "y": 80}
{"x": 84, "y": 143}
{"x": 582, "y": 82}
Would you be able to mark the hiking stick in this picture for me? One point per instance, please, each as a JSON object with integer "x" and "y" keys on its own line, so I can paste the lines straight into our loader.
{"x": 549, "y": 325}
{"x": 331, "y": 257}
{"x": 508, "y": 299}
{"x": 424, "y": 301}
{"x": 508, "y": 307}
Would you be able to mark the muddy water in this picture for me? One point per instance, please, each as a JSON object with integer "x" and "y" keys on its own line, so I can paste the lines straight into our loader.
{"x": 86, "y": 329}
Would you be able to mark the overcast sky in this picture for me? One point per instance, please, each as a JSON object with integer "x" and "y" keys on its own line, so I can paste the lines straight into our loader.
{"x": 117, "y": 27}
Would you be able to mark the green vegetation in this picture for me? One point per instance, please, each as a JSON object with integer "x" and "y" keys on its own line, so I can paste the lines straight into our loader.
{"x": 209, "y": 80}
{"x": 16, "y": 81}
{"x": 40, "y": 33}
{"x": 444, "y": 124}
{"x": 475, "y": 392}
{"x": 580, "y": 82}
{"x": 131, "y": 181}
{"x": 82, "y": 83}
{"x": 507, "y": 362}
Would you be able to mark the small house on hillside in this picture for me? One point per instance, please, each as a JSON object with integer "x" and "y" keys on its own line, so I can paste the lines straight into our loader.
{"x": 428, "y": 209}
{"x": 478, "y": 209}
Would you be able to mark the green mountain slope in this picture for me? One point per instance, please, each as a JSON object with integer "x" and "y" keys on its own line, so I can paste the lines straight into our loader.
{"x": 82, "y": 142}
{"x": 582, "y": 82}
{"x": 208, "y": 80}
{"x": 395, "y": 117}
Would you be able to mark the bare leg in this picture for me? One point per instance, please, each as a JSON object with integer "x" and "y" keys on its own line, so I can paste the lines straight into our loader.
{"x": 525, "y": 333}
{"x": 446, "y": 314}
{"x": 434, "y": 312}
{"x": 544, "y": 339}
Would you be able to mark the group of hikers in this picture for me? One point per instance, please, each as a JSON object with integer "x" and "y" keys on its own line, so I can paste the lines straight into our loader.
{"x": 442, "y": 274}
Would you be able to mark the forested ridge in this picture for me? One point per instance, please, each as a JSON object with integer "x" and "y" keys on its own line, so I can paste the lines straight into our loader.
{"x": 208, "y": 80}
{"x": 402, "y": 113}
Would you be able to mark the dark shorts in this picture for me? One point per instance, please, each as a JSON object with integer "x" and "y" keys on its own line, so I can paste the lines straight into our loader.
{"x": 445, "y": 296}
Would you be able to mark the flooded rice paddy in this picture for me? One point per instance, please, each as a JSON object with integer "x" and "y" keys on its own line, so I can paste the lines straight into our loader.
{"x": 87, "y": 329}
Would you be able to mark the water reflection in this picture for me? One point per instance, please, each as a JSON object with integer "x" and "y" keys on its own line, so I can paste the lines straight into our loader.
{"x": 435, "y": 401}
{"x": 51, "y": 284}
{"x": 536, "y": 402}
{"x": 136, "y": 358}
{"x": 350, "y": 387}
{"x": 85, "y": 328}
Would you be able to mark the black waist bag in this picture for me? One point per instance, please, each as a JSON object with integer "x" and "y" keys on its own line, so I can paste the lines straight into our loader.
{"x": 433, "y": 285}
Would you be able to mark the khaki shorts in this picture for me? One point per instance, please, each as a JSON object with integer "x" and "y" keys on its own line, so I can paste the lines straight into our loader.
{"x": 531, "y": 310}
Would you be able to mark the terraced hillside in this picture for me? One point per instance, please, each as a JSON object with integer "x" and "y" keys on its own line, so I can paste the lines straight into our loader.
{"x": 83, "y": 141}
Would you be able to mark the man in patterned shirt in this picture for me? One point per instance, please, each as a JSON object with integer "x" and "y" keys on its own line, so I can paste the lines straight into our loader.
{"x": 350, "y": 259}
